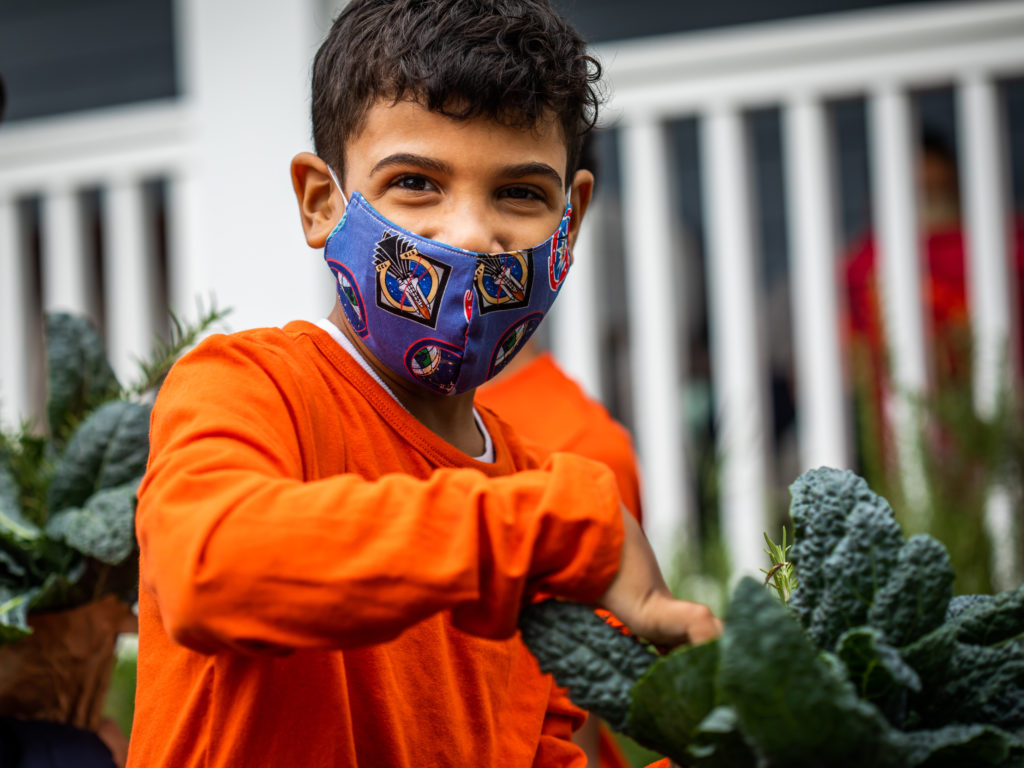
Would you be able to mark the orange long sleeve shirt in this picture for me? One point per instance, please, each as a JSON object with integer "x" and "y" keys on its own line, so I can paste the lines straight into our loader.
{"x": 325, "y": 582}
{"x": 544, "y": 405}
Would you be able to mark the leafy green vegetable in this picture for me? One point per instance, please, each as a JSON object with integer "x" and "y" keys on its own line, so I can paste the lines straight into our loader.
{"x": 108, "y": 449}
{"x": 598, "y": 667}
{"x": 14, "y": 613}
{"x": 790, "y": 702}
{"x": 79, "y": 376}
{"x": 104, "y": 528}
{"x": 872, "y": 662}
{"x": 67, "y": 496}
{"x": 674, "y": 697}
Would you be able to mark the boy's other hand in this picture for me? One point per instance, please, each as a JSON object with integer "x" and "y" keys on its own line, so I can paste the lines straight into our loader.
{"x": 639, "y": 597}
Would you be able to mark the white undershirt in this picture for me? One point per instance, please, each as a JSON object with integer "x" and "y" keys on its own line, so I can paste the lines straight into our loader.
{"x": 487, "y": 456}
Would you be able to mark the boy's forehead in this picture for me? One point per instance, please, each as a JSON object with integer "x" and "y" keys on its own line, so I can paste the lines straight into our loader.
{"x": 407, "y": 125}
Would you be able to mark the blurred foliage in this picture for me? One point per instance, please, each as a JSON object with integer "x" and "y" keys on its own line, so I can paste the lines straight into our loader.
{"x": 964, "y": 456}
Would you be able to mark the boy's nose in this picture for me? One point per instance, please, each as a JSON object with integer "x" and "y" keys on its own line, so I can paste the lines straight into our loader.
{"x": 470, "y": 229}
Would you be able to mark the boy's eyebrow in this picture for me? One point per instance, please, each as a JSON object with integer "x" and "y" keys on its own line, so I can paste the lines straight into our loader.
{"x": 408, "y": 158}
{"x": 522, "y": 170}
{"x": 517, "y": 171}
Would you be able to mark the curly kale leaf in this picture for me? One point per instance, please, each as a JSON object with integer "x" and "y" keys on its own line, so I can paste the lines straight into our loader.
{"x": 857, "y": 567}
{"x": 838, "y": 569}
{"x": 597, "y": 664}
{"x": 110, "y": 448}
{"x": 879, "y": 673}
{"x": 672, "y": 699}
{"x": 913, "y": 601}
{"x": 963, "y": 745}
{"x": 104, "y": 528}
{"x": 998, "y": 619}
{"x": 792, "y": 705}
{"x": 718, "y": 742}
{"x": 79, "y": 376}
{"x": 960, "y": 604}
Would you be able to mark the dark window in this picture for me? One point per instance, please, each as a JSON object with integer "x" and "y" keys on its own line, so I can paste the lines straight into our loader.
{"x": 67, "y": 55}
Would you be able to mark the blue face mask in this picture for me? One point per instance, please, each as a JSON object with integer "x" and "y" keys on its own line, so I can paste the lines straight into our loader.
{"x": 442, "y": 317}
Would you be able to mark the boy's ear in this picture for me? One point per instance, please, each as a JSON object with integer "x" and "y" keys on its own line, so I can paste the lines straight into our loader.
{"x": 581, "y": 192}
{"x": 320, "y": 202}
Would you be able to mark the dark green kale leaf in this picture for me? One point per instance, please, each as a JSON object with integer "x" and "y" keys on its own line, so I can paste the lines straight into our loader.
{"x": 79, "y": 376}
{"x": 110, "y": 448}
{"x": 792, "y": 705}
{"x": 857, "y": 567}
{"x": 823, "y": 500}
{"x": 103, "y": 529}
{"x": 718, "y": 743}
{"x": 879, "y": 673}
{"x": 958, "y": 746}
{"x": 913, "y": 601}
{"x": 599, "y": 665}
{"x": 998, "y": 619}
{"x": 673, "y": 697}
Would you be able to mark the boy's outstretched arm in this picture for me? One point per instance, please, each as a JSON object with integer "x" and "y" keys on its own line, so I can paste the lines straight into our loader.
{"x": 639, "y": 597}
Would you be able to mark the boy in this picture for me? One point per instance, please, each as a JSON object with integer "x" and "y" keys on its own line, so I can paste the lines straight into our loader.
{"x": 335, "y": 543}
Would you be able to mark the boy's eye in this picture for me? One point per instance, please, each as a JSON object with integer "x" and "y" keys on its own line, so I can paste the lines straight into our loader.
{"x": 414, "y": 184}
{"x": 522, "y": 193}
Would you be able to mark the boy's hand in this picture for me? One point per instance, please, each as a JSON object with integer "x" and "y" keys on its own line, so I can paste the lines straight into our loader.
{"x": 639, "y": 597}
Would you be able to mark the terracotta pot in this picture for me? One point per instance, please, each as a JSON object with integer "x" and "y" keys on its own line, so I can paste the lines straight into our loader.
{"x": 62, "y": 670}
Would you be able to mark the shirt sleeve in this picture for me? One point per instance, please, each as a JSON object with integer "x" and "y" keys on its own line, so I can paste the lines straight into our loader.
{"x": 240, "y": 552}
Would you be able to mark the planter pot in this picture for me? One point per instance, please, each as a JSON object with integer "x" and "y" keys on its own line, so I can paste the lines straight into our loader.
{"x": 61, "y": 671}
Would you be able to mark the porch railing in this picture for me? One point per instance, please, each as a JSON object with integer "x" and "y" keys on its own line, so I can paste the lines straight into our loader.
{"x": 797, "y": 67}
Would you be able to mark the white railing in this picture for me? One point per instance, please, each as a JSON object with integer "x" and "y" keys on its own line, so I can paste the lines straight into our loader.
{"x": 117, "y": 153}
{"x": 799, "y": 66}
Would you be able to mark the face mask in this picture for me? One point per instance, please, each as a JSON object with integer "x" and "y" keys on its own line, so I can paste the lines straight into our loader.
{"x": 442, "y": 317}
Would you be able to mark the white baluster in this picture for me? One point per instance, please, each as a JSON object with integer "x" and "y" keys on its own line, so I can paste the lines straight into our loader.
{"x": 128, "y": 286}
{"x": 736, "y": 352}
{"x": 986, "y": 218}
{"x": 66, "y": 282}
{"x": 989, "y": 279}
{"x": 575, "y": 317}
{"x": 186, "y": 278}
{"x": 819, "y": 387}
{"x": 15, "y": 400}
{"x": 652, "y": 257}
{"x": 899, "y": 275}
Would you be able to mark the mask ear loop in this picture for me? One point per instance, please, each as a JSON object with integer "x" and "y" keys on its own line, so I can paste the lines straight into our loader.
{"x": 338, "y": 185}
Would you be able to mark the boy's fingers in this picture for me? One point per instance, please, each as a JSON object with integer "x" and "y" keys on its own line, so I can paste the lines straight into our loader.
{"x": 672, "y": 622}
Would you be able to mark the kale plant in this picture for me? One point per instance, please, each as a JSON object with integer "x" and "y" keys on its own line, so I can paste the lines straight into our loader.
{"x": 67, "y": 492}
{"x": 873, "y": 662}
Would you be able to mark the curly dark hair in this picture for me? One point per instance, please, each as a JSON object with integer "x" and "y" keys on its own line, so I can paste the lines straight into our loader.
{"x": 513, "y": 61}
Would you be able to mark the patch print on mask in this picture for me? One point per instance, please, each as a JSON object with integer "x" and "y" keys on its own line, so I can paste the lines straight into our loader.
{"x": 503, "y": 280}
{"x": 409, "y": 284}
{"x": 512, "y": 341}
{"x": 434, "y": 363}
{"x": 351, "y": 298}
{"x": 560, "y": 258}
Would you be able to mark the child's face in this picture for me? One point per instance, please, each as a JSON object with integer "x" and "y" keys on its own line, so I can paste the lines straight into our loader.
{"x": 473, "y": 184}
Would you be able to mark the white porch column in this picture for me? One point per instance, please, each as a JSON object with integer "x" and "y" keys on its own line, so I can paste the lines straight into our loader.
{"x": 899, "y": 272}
{"x": 819, "y": 387}
{"x": 654, "y": 344}
{"x": 576, "y": 316}
{"x": 15, "y": 401}
{"x": 990, "y": 278}
{"x": 65, "y": 280}
{"x": 128, "y": 288}
{"x": 736, "y": 354}
{"x": 251, "y": 116}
